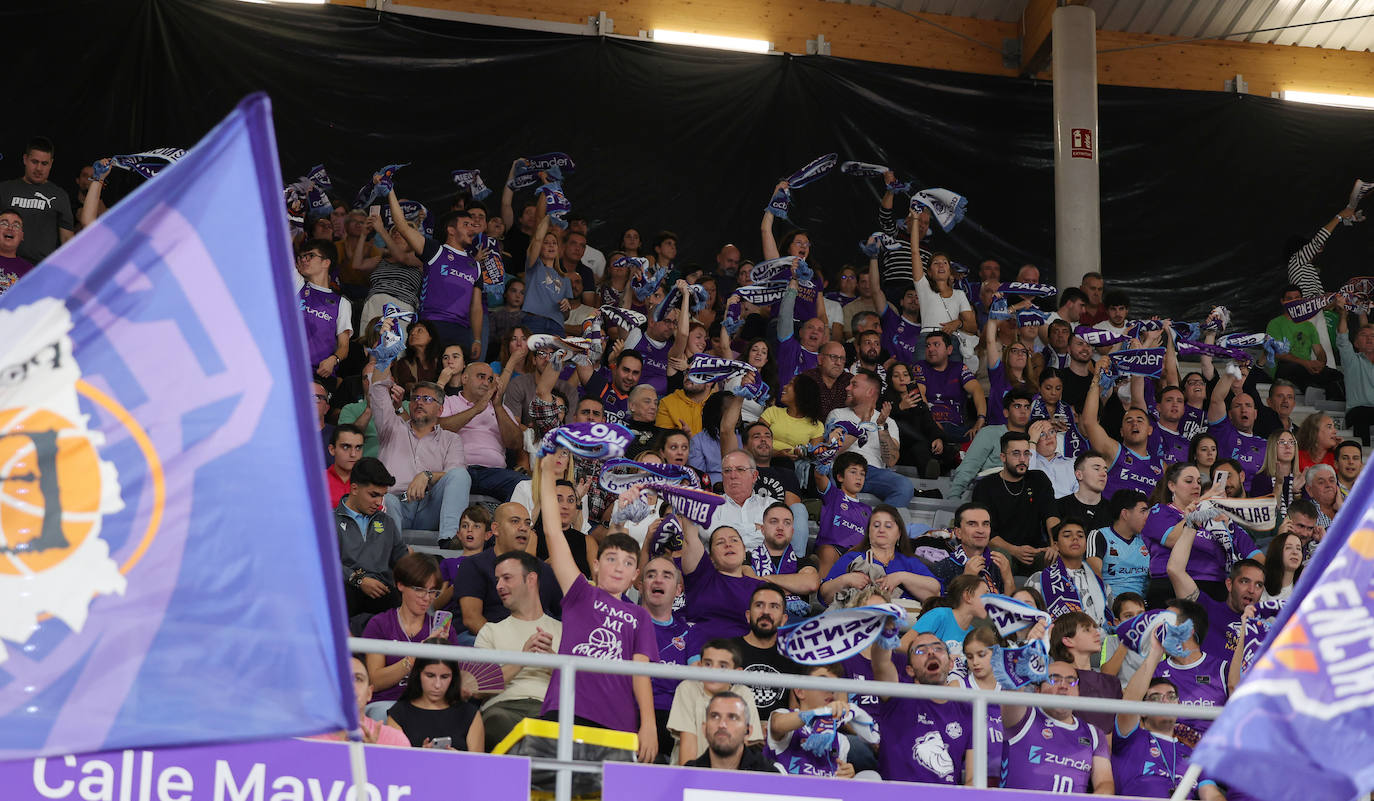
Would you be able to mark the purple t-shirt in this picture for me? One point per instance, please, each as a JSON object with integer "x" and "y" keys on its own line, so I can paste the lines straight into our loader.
{"x": 1247, "y": 449}
{"x": 1148, "y": 765}
{"x": 320, "y": 310}
{"x": 901, "y": 337}
{"x": 1223, "y": 627}
{"x": 655, "y": 372}
{"x": 449, "y": 279}
{"x": 944, "y": 390}
{"x": 843, "y": 519}
{"x": 1201, "y": 684}
{"x": 793, "y": 359}
{"x": 998, "y": 387}
{"x": 12, "y": 268}
{"x": 448, "y": 571}
{"x": 859, "y": 667}
{"x": 716, "y": 603}
{"x": 1167, "y": 446}
{"x": 924, "y": 740}
{"x": 1194, "y": 421}
{"x": 672, "y": 650}
{"x": 1209, "y": 560}
{"x": 996, "y": 734}
{"x": 596, "y": 624}
{"x": 387, "y": 626}
{"x": 1130, "y": 470}
{"x": 1047, "y": 754}
{"x": 794, "y": 759}
{"x": 804, "y": 307}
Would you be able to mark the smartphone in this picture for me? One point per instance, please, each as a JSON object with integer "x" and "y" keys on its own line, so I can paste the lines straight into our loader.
{"x": 374, "y": 211}
{"x": 442, "y": 620}
{"x": 1221, "y": 479}
{"x": 441, "y": 742}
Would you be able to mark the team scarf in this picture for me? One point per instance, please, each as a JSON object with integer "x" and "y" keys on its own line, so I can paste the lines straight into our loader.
{"x": 781, "y": 201}
{"x": 783, "y": 268}
{"x": 862, "y": 169}
{"x": 1358, "y": 294}
{"x": 762, "y": 562}
{"x": 635, "y": 511}
{"x": 1148, "y": 362}
{"x": 556, "y": 204}
{"x": 765, "y": 294}
{"x": 1031, "y": 317}
{"x": 1027, "y": 289}
{"x": 391, "y": 335}
{"x": 673, "y": 299}
{"x": 319, "y": 184}
{"x": 561, "y": 350}
{"x": 320, "y": 176}
{"x": 621, "y": 474}
{"x": 993, "y": 581}
{"x": 1357, "y": 194}
{"x": 1061, "y": 593}
{"x": 1040, "y": 411}
{"x": 665, "y": 535}
{"x": 1273, "y": 348}
{"x": 493, "y": 267}
{"x": 622, "y": 318}
{"x": 1188, "y": 347}
{"x": 879, "y": 242}
{"x": 946, "y": 207}
{"x": 821, "y": 456}
{"x": 1159, "y": 623}
{"x": 377, "y": 189}
{"x": 1011, "y": 616}
{"x": 825, "y": 729}
{"x": 588, "y": 440}
{"x": 643, "y": 279}
{"x": 753, "y": 388}
{"x": 1135, "y": 328}
{"x": 705, "y": 369}
{"x": 414, "y": 213}
{"x": 1099, "y": 338}
{"x": 470, "y": 181}
{"x": 149, "y": 162}
{"x": 1256, "y": 514}
{"x": 1018, "y": 667}
{"x": 733, "y": 320}
{"x": 555, "y": 165}
{"x": 837, "y": 634}
{"x": 693, "y": 503}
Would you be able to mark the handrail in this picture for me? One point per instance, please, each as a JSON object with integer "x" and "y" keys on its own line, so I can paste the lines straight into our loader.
{"x": 571, "y": 665}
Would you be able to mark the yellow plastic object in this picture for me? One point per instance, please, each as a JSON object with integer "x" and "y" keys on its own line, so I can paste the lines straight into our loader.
{"x": 582, "y": 735}
{"x": 539, "y": 738}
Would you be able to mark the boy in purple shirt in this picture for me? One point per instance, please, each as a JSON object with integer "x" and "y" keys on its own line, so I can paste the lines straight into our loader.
{"x": 901, "y": 328}
{"x": 599, "y": 623}
{"x": 448, "y": 296}
{"x": 924, "y": 740}
{"x": 1052, "y": 749}
{"x": 844, "y": 518}
{"x": 790, "y": 731}
{"x": 947, "y": 387}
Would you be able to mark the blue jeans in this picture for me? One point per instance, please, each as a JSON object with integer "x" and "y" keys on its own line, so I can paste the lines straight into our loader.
{"x": 441, "y": 508}
{"x": 498, "y": 482}
{"x": 894, "y": 488}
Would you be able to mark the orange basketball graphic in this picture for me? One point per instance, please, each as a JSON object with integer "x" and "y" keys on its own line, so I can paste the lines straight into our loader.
{"x": 50, "y": 488}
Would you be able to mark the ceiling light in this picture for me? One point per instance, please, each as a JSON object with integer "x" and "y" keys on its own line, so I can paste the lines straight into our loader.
{"x": 708, "y": 40}
{"x": 1344, "y": 101}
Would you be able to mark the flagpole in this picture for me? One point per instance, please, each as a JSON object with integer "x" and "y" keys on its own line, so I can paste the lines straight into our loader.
{"x": 357, "y": 763}
{"x": 1186, "y": 785}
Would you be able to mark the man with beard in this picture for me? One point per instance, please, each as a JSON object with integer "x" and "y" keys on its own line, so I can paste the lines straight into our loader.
{"x": 726, "y": 730}
{"x": 830, "y": 375}
{"x": 613, "y": 387}
{"x": 1132, "y": 464}
{"x": 924, "y": 739}
{"x": 1022, "y": 504}
{"x": 1053, "y": 749}
{"x": 432, "y": 482}
{"x": 759, "y": 648}
{"x": 682, "y": 409}
{"x": 1235, "y": 432}
{"x": 981, "y": 455}
{"x": 1078, "y": 378}
{"x": 776, "y": 556}
{"x": 869, "y": 355}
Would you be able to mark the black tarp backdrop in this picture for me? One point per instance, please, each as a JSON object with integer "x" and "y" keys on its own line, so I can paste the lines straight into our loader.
{"x": 1200, "y": 190}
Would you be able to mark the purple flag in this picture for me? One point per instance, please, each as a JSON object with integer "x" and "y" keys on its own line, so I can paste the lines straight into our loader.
{"x": 161, "y": 383}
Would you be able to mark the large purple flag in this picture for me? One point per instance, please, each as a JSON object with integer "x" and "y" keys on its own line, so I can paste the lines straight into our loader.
{"x": 168, "y": 569}
{"x": 1301, "y": 723}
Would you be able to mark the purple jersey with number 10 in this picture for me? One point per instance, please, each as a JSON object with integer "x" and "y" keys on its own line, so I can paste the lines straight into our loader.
{"x": 1048, "y": 754}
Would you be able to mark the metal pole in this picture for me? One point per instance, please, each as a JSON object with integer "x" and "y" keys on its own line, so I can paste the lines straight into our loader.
{"x": 567, "y": 704}
{"x": 1189, "y": 779}
{"x": 1077, "y": 221}
{"x": 980, "y": 742}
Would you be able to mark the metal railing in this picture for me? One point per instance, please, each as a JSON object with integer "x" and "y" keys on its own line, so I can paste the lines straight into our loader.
{"x": 569, "y": 666}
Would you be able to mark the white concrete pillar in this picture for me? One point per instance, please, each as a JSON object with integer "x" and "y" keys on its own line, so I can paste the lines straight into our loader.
{"x": 1078, "y": 233}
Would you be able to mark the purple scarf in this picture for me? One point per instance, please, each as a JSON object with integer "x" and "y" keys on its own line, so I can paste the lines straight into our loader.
{"x": 1061, "y": 594}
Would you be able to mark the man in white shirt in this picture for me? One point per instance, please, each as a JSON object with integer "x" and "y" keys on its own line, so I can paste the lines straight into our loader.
{"x": 528, "y": 628}
{"x": 743, "y": 508}
{"x": 593, "y": 258}
{"x": 1118, "y": 309}
{"x": 880, "y": 445}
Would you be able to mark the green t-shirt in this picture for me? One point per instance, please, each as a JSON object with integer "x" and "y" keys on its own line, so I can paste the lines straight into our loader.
{"x": 1299, "y": 336}
{"x": 349, "y": 414}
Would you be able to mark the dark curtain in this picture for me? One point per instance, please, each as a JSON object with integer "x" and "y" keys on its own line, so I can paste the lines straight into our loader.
{"x": 1200, "y": 191}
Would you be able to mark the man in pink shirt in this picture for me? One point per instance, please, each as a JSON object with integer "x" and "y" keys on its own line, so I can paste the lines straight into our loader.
{"x": 488, "y": 431}
{"x": 432, "y": 483}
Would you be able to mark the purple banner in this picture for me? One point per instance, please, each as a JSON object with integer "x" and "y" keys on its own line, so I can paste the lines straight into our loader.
{"x": 624, "y": 781}
{"x": 272, "y": 769}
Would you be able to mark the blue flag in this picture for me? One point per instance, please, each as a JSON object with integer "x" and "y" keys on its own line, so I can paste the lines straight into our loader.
{"x": 168, "y": 569}
{"x": 1301, "y": 723}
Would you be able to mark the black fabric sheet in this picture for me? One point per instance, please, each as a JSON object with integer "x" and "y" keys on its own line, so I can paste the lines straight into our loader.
{"x": 1200, "y": 191}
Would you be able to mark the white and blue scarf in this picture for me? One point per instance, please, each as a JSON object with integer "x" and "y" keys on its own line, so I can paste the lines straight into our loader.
{"x": 377, "y": 189}
{"x": 554, "y": 165}
{"x": 150, "y": 162}
{"x": 946, "y": 207}
{"x": 588, "y": 440}
{"x": 471, "y": 182}
{"x": 781, "y": 201}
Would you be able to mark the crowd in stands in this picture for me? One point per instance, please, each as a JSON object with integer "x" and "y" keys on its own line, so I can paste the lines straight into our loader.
{"x": 1092, "y": 499}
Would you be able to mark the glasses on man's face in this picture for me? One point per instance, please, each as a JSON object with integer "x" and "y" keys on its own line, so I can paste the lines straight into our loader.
{"x": 729, "y": 470}
{"x": 422, "y": 591}
{"x": 15, "y": 224}
{"x": 426, "y": 399}
{"x": 310, "y": 255}
{"x": 933, "y": 648}
{"x": 1060, "y": 680}
{"x": 834, "y": 357}
{"x": 1163, "y": 698}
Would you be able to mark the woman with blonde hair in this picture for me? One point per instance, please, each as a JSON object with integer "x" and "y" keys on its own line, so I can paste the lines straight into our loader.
{"x": 1280, "y": 463}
